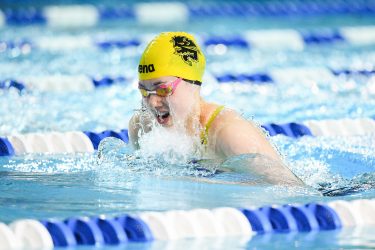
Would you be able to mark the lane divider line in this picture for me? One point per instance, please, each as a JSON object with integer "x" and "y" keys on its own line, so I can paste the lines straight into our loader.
{"x": 88, "y": 141}
{"x": 186, "y": 224}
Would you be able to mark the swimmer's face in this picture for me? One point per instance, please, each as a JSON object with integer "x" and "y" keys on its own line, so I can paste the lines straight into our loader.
{"x": 168, "y": 98}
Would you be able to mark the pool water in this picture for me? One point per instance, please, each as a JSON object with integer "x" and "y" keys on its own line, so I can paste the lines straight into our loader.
{"x": 117, "y": 180}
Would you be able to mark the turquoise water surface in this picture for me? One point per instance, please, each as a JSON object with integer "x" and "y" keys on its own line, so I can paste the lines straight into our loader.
{"x": 122, "y": 181}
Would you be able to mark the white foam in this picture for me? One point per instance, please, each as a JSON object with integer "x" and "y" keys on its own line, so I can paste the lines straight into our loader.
{"x": 58, "y": 43}
{"x": 275, "y": 39}
{"x": 71, "y": 16}
{"x": 359, "y": 35}
{"x": 2, "y": 19}
{"x": 174, "y": 146}
{"x": 161, "y": 13}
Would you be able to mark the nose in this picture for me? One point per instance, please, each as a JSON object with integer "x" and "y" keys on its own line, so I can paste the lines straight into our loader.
{"x": 154, "y": 101}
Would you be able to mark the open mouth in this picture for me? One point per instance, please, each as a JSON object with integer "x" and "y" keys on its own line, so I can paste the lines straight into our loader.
{"x": 162, "y": 117}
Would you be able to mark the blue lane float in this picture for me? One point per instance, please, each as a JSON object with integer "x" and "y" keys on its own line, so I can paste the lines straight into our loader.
{"x": 7, "y": 84}
{"x": 106, "y": 81}
{"x": 135, "y": 229}
{"x": 248, "y": 40}
{"x": 281, "y": 219}
{"x": 109, "y": 44}
{"x": 305, "y": 219}
{"x": 6, "y": 148}
{"x": 24, "y": 16}
{"x": 349, "y": 72}
{"x": 86, "y": 83}
{"x": 119, "y": 230}
{"x": 86, "y": 231}
{"x": 276, "y": 8}
{"x": 113, "y": 13}
{"x": 256, "y": 78}
{"x": 94, "y": 82}
{"x": 49, "y": 14}
{"x": 237, "y": 42}
{"x": 258, "y": 220}
{"x": 97, "y": 137}
{"x": 31, "y": 15}
{"x": 61, "y": 234}
{"x": 112, "y": 230}
{"x": 326, "y": 216}
{"x": 294, "y": 130}
{"x": 88, "y": 141}
{"x": 322, "y": 38}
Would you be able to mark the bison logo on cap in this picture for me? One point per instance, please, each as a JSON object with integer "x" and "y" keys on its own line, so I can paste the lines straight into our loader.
{"x": 186, "y": 49}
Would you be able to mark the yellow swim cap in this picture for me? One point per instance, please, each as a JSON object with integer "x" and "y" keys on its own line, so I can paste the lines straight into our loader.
{"x": 172, "y": 54}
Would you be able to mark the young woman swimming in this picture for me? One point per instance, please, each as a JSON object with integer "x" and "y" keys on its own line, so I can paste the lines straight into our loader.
{"x": 170, "y": 78}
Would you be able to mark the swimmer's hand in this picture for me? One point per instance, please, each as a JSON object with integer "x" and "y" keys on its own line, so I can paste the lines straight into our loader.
{"x": 267, "y": 169}
{"x": 112, "y": 149}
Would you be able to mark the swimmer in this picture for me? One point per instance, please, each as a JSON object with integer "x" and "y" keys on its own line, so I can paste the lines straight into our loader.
{"x": 170, "y": 78}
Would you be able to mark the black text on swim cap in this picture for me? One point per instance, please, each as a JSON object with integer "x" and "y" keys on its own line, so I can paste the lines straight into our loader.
{"x": 146, "y": 68}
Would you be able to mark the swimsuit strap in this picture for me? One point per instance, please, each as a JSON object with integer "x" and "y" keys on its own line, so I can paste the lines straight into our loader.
{"x": 204, "y": 133}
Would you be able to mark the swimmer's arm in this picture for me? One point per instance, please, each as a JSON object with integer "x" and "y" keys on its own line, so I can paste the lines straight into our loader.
{"x": 243, "y": 137}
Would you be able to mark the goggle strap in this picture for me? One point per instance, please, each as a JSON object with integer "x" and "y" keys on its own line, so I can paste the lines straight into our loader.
{"x": 193, "y": 82}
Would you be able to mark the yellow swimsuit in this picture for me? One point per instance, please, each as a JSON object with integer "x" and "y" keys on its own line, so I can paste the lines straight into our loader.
{"x": 204, "y": 133}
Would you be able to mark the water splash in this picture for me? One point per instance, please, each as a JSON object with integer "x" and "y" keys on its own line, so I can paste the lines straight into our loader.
{"x": 49, "y": 163}
{"x": 333, "y": 165}
{"x": 165, "y": 159}
{"x": 359, "y": 183}
{"x": 170, "y": 145}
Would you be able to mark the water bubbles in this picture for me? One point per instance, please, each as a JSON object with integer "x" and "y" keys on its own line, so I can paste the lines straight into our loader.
{"x": 50, "y": 163}
{"x": 112, "y": 149}
{"x": 333, "y": 165}
{"x": 171, "y": 145}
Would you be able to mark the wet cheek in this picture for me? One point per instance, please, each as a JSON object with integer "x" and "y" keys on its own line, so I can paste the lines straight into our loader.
{"x": 179, "y": 107}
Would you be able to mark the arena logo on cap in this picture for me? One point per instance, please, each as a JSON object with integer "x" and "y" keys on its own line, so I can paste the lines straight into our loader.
{"x": 146, "y": 68}
{"x": 185, "y": 48}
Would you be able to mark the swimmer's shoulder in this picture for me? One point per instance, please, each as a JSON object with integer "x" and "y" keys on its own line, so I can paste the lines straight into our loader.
{"x": 226, "y": 117}
{"x": 236, "y": 135}
{"x": 230, "y": 121}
